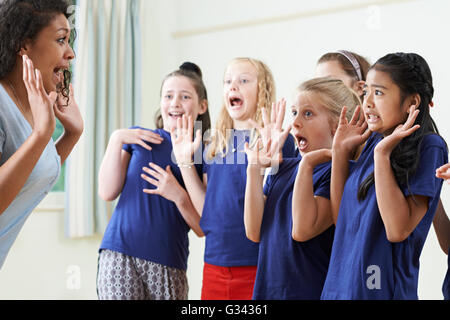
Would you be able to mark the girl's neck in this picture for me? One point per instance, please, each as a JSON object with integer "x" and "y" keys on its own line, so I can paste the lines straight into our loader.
{"x": 241, "y": 125}
{"x": 358, "y": 151}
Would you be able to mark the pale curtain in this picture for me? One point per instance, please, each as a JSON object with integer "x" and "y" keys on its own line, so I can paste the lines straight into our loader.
{"x": 107, "y": 83}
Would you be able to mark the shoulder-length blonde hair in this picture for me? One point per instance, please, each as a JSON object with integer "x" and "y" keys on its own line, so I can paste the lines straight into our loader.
{"x": 266, "y": 96}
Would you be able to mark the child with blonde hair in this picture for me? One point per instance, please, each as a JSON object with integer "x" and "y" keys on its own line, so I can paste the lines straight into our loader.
{"x": 292, "y": 219}
{"x": 230, "y": 258}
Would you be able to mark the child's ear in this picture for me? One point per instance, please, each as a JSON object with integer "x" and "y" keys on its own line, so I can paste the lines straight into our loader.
{"x": 334, "y": 127}
{"x": 413, "y": 100}
{"x": 359, "y": 87}
{"x": 203, "y": 106}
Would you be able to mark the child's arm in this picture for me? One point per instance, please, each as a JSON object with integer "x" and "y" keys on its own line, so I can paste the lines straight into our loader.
{"x": 400, "y": 214}
{"x": 168, "y": 187}
{"x": 183, "y": 149}
{"x": 254, "y": 202}
{"x": 348, "y": 137}
{"x": 311, "y": 215}
{"x": 265, "y": 153}
{"x": 441, "y": 222}
{"x": 443, "y": 172}
{"x": 441, "y": 225}
{"x": 113, "y": 169}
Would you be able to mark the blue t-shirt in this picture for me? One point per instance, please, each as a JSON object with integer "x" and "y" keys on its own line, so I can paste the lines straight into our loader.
{"x": 222, "y": 219}
{"x": 364, "y": 264}
{"x": 145, "y": 226}
{"x": 288, "y": 269}
{"x": 14, "y": 130}
{"x": 446, "y": 285}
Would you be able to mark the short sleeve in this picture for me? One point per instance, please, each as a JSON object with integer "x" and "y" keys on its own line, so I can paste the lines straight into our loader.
{"x": 129, "y": 147}
{"x": 268, "y": 184}
{"x": 433, "y": 154}
{"x": 322, "y": 181}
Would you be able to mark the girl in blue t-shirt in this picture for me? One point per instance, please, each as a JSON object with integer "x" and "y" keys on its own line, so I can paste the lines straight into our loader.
{"x": 292, "y": 220}
{"x": 230, "y": 258}
{"x": 441, "y": 225}
{"x": 144, "y": 251}
{"x": 390, "y": 194}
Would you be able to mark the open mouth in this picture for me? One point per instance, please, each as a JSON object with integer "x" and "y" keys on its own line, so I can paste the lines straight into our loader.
{"x": 176, "y": 114}
{"x": 58, "y": 75}
{"x": 372, "y": 118}
{"x": 302, "y": 143}
{"x": 236, "y": 102}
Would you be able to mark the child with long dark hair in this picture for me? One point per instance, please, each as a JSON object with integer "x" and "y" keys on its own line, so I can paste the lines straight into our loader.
{"x": 389, "y": 197}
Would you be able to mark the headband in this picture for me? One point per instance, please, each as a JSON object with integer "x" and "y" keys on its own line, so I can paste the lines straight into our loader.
{"x": 350, "y": 57}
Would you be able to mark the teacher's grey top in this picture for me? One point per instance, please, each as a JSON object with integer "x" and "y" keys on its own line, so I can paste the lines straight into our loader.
{"x": 14, "y": 130}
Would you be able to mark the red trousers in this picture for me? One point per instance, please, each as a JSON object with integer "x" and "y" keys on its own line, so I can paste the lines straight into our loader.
{"x": 228, "y": 283}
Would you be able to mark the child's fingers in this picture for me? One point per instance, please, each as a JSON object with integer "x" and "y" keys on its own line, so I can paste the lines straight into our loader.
{"x": 173, "y": 135}
{"x": 265, "y": 116}
{"x": 342, "y": 117}
{"x": 160, "y": 170}
{"x": 151, "y": 137}
{"x": 190, "y": 127}
{"x": 153, "y": 173}
{"x": 280, "y": 115}
{"x": 246, "y": 148}
{"x": 150, "y": 180}
{"x": 273, "y": 112}
{"x": 410, "y": 130}
{"x": 364, "y": 126}
{"x": 198, "y": 139}
{"x": 412, "y": 117}
{"x": 366, "y": 135}
{"x": 179, "y": 127}
{"x": 151, "y": 191}
{"x": 355, "y": 116}
{"x": 445, "y": 167}
{"x": 144, "y": 145}
{"x": 285, "y": 134}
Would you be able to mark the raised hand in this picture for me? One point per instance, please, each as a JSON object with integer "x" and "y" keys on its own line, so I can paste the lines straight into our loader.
{"x": 443, "y": 172}
{"x": 350, "y": 135}
{"x": 41, "y": 103}
{"x": 268, "y": 150}
{"x": 183, "y": 146}
{"x": 165, "y": 182}
{"x": 316, "y": 157}
{"x": 389, "y": 142}
{"x": 68, "y": 113}
{"x": 137, "y": 136}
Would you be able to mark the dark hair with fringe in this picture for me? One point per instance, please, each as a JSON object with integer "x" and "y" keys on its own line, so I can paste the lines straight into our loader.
{"x": 411, "y": 73}
{"x": 194, "y": 74}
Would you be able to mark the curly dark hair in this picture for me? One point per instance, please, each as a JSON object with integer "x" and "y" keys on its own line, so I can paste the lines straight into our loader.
{"x": 22, "y": 20}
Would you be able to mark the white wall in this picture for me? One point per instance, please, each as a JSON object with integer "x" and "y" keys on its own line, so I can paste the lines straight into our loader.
{"x": 289, "y": 35}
